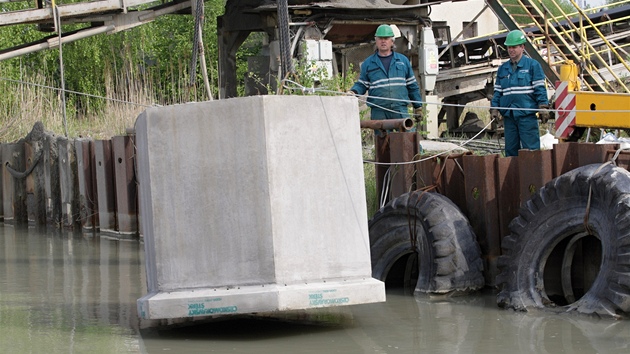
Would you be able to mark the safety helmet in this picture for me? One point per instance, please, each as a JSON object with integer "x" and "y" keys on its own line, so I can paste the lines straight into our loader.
{"x": 384, "y": 31}
{"x": 515, "y": 38}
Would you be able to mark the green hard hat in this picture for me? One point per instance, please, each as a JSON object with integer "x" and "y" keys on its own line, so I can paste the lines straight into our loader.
{"x": 384, "y": 31}
{"x": 514, "y": 38}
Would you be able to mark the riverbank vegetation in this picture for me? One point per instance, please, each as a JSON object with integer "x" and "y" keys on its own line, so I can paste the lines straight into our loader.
{"x": 109, "y": 78}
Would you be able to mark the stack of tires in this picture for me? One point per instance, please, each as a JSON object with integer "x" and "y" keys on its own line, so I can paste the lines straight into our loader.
{"x": 568, "y": 250}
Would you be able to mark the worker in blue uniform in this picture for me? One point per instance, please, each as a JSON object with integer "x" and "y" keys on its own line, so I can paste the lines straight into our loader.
{"x": 520, "y": 84}
{"x": 388, "y": 74}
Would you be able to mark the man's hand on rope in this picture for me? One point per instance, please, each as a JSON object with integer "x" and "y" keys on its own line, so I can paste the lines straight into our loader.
{"x": 494, "y": 114}
{"x": 543, "y": 114}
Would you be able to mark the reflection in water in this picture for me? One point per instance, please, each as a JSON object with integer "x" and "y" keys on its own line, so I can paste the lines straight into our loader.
{"x": 62, "y": 293}
{"x": 68, "y": 293}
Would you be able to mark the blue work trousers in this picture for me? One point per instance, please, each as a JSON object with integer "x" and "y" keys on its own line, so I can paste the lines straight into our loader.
{"x": 521, "y": 133}
{"x": 379, "y": 114}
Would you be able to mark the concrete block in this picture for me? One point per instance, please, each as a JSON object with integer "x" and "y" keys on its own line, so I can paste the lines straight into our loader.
{"x": 261, "y": 199}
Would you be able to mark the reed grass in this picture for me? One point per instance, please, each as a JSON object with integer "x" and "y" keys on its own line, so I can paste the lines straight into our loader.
{"x": 35, "y": 98}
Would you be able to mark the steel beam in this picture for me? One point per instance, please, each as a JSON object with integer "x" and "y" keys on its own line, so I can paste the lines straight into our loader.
{"x": 535, "y": 169}
{"x": 105, "y": 187}
{"x": 125, "y": 185}
{"x": 481, "y": 199}
{"x": 68, "y": 184}
{"x": 87, "y": 196}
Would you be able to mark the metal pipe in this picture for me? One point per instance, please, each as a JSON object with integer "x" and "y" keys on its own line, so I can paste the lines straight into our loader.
{"x": 54, "y": 42}
{"x": 307, "y": 23}
{"x": 388, "y": 124}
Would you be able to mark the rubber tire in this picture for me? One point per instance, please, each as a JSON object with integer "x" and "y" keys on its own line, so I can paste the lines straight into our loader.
{"x": 556, "y": 213}
{"x": 449, "y": 258}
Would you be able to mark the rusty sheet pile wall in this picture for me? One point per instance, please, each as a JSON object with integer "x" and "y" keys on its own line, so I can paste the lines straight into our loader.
{"x": 490, "y": 189}
{"x": 90, "y": 185}
{"x": 79, "y": 184}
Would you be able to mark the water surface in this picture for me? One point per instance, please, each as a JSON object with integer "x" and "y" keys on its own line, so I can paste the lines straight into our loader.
{"x": 68, "y": 293}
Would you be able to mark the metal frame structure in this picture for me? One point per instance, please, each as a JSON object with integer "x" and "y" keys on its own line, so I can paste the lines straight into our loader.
{"x": 103, "y": 16}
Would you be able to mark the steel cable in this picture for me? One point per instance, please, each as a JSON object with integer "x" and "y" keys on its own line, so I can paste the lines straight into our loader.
{"x": 196, "y": 33}
{"x": 285, "y": 45}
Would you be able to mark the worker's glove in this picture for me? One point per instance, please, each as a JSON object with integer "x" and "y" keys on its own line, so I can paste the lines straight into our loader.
{"x": 351, "y": 93}
{"x": 543, "y": 113}
{"x": 494, "y": 114}
{"x": 418, "y": 113}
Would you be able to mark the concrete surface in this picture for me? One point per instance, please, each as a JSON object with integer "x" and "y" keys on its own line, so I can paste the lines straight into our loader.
{"x": 260, "y": 200}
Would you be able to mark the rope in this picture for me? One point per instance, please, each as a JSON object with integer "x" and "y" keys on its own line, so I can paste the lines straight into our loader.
{"x": 323, "y": 90}
{"x": 295, "y": 86}
{"x": 432, "y": 156}
{"x": 385, "y": 187}
{"x": 22, "y": 175}
{"x": 202, "y": 55}
{"x": 614, "y": 158}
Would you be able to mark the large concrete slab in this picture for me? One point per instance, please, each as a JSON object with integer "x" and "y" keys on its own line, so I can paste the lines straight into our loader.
{"x": 253, "y": 204}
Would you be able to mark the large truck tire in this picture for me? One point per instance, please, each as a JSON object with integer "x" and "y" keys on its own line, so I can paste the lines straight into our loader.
{"x": 435, "y": 238}
{"x": 569, "y": 248}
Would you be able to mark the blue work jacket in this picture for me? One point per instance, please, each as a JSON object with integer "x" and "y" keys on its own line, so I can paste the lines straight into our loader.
{"x": 398, "y": 83}
{"x": 523, "y": 87}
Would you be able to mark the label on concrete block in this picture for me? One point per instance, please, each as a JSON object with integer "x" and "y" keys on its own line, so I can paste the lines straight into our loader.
{"x": 326, "y": 298}
{"x": 252, "y": 299}
{"x": 213, "y": 306}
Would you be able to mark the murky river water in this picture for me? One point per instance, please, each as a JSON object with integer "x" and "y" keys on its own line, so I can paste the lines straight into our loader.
{"x": 64, "y": 293}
